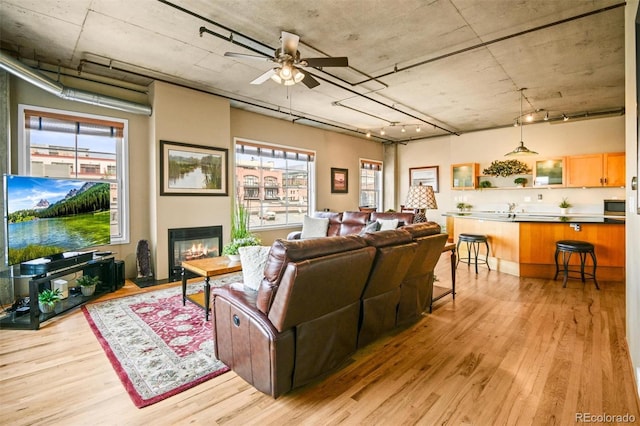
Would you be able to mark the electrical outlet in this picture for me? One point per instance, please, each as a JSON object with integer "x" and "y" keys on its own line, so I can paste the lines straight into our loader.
{"x": 539, "y": 197}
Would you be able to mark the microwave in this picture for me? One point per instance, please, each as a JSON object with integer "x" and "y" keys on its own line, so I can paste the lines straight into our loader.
{"x": 614, "y": 207}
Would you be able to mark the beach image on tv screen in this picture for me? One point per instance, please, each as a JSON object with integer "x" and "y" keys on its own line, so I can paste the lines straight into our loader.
{"x": 47, "y": 216}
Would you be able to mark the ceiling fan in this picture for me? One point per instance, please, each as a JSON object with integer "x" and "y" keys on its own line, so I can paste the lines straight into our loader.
{"x": 287, "y": 58}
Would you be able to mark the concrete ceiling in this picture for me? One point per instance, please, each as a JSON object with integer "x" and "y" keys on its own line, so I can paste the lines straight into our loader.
{"x": 450, "y": 66}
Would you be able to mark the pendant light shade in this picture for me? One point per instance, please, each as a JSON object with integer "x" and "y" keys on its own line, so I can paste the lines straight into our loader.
{"x": 521, "y": 149}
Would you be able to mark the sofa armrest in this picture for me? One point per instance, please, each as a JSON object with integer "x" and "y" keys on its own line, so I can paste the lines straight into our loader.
{"x": 246, "y": 341}
{"x": 295, "y": 235}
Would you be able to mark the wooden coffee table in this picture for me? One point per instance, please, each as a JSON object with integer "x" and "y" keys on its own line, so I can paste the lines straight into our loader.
{"x": 206, "y": 268}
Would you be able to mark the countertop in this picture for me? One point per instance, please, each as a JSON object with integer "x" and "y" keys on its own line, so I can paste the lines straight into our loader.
{"x": 538, "y": 217}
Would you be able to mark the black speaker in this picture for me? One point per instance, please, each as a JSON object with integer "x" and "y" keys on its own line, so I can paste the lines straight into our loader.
{"x": 119, "y": 272}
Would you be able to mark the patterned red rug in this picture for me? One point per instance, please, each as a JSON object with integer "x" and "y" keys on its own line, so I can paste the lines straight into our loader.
{"x": 157, "y": 346}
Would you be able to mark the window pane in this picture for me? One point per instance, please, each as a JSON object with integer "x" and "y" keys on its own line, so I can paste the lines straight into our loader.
{"x": 273, "y": 183}
{"x": 62, "y": 145}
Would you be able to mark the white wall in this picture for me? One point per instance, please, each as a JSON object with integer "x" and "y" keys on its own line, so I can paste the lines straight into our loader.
{"x": 633, "y": 220}
{"x": 550, "y": 140}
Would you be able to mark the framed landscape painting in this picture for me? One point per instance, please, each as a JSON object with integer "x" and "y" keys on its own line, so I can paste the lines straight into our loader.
{"x": 339, "y": 181}
{"x": 425, "y": 176}
{"x": 187, "y": 169}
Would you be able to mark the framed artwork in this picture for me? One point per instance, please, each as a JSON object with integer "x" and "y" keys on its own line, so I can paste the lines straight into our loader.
{"x": 425, "y": 176}
{"x": 339, "y": 181}
{"x": 187, "y": 169}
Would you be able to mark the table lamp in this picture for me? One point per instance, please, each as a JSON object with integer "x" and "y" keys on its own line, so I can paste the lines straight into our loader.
{"x": 421, "y": 197}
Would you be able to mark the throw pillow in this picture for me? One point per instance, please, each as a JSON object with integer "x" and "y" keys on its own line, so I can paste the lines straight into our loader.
{"x": 386, "y": 224}
{"x": 313, "y": 227}
{"x": 253, "y": 259}
{"x": 371, "y": 227}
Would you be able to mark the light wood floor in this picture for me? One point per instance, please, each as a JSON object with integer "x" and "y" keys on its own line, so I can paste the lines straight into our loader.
{"x": 508, "y": 351}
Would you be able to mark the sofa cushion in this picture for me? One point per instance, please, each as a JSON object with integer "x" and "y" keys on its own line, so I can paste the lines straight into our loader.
{"x": 403, "y": 218}
{"x": 313, "y": 227}
{"x": 353, "y": 222}
{"x": 334, "y": 222}
{"x": 388, "y": 238}
{"x": 254, "y": 259}
{"x": 371, "y": 227}
{"x": 387, "y": 224}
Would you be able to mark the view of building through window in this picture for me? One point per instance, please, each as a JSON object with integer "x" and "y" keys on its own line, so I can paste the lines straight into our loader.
{"x": 371, "y": 184}
{"x": 57, "y": 144}
{"x": 274, "y": 183}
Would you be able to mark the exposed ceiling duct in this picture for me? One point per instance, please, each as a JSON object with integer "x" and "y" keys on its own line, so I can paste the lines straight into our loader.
{"x": 43, "y": 82}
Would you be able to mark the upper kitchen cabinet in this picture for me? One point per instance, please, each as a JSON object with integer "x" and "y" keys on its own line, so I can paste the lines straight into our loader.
{"x": 593, "y": 170}
{"x": 464, "y": 176}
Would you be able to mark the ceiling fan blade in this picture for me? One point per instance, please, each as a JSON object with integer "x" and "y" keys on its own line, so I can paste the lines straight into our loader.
{"x": 264, "y": 77}
{"x": 290, "y": 43}
{"x": 341, "y": 61}
{"x": 309, "y": 81}
{"x": 244, "y": 56}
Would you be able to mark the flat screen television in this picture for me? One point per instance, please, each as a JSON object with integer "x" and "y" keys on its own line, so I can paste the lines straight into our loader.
{"x": 49, "y": 217}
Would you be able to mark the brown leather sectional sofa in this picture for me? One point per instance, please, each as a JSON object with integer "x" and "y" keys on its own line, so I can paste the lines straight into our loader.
{"x": 322, "y": 299}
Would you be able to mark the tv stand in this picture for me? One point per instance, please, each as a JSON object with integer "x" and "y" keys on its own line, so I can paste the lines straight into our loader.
{"x": 103, "y": 267}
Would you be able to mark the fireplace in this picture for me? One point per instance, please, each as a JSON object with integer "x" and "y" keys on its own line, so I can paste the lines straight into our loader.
{"x": 190, "y": 244}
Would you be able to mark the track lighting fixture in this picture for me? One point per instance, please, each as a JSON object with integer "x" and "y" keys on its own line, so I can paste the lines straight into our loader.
{"x": 564, "y": 117}
{"x": 403, "y": 129}
{"x": 546, "y": 116}
{"x": 418, "y": 129}
{"x": 521, "y": 149}
{"x": 382, "y": 132}
{"x": 368, "y": 134}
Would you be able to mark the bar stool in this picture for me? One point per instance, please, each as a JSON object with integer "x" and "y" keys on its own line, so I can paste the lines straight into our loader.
{"x": 473, "y": 241}
{"x": 568, "y": 247}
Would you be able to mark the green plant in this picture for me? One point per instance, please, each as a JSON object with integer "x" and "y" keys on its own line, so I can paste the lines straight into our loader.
{"x": 234, "y": 245}
{"x": 564, "y": 204}
{"x": 463, "y": 206}
{"x": 49, "y": 297}
{"x": 506, "y": 168}
{"x": 485, "y": 184}
{"x": 88, "y": 281}
{"x": 241, "y": 236}
{"x": 520, "y": 181}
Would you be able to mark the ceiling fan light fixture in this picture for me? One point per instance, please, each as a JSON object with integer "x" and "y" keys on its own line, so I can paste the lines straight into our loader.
{"x": 298, "y": 75}
{"x": 286, "y": 71}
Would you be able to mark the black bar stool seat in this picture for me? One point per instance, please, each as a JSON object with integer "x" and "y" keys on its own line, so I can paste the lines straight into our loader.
{"x": 473, "y": 242}
{"x": 583, "y": 248}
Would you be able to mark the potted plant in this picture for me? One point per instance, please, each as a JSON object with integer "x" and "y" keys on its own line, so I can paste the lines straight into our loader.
{"x": 240, "y": 234}
{"x": 231, "y": 249}
{"x": 520, "y": 181}
{"x": 88, "y": 284}
{"x": 484, "y": 184}
{"x": 564, "y": 206}
{"x": 47, "y": 300}
{"x": 463, "y": 207}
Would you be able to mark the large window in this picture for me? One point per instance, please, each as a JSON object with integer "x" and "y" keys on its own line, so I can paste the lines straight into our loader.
{"x": 275, "y": 183}
{"x": 57, "y": 143}
{"x": 371, "y": 183}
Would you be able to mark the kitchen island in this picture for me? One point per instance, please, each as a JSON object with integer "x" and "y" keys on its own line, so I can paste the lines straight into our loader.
{"x": 523, "y": 244}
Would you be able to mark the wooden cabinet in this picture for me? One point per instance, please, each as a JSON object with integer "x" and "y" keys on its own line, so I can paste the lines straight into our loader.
{"x": 464, "y": 176}
{"x": 549, "y": 172}
{"x": 593, "y": 170}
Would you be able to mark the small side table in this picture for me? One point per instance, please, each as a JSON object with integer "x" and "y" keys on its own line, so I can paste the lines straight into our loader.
{"x": 207, "y": 268}
{"x": 440, "y": 292}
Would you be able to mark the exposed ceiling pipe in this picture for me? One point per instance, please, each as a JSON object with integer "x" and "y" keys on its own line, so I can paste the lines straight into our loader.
{"x": 43, "y": 82}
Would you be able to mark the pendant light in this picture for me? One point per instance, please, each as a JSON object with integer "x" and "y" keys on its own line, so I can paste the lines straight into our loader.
{"x": 521, "y": 149}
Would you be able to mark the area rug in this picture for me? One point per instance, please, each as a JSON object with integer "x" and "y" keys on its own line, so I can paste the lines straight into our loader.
{"x": 157, "y": 347}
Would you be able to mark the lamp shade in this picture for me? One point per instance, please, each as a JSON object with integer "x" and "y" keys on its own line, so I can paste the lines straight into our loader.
{"x": 421, "y": 197}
